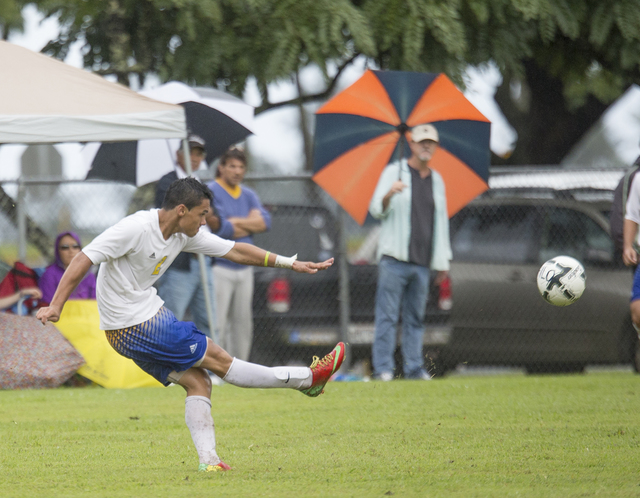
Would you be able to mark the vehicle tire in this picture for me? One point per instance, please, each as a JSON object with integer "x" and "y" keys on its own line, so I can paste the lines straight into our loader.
{"x": 438, "y": 363}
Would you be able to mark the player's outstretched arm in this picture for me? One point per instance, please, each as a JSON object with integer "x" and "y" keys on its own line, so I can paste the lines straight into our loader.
{"x": 72, "y": 276}
{"x": 247, "y": 254}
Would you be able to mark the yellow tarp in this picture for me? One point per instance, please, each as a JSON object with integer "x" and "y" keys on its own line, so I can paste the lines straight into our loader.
{"x": 80, "y": 324}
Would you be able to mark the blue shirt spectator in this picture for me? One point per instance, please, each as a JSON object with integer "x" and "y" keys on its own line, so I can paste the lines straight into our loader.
{"x": 241, "y": 215}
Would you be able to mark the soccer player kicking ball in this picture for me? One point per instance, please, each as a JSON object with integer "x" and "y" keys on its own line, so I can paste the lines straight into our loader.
{"x": 132, "y": 255}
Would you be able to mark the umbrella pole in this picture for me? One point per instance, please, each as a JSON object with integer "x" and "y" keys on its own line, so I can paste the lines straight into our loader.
{"x": 203, "y": 266}
{"x": 401, "y": 151}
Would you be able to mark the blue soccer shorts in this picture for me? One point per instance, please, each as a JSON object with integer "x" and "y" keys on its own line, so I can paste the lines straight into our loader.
{"x": 635, "y": 289}
{"x": 160, "y": 345}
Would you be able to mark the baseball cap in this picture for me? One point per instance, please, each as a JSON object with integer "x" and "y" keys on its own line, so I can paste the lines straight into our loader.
{"x": 424, "y": 132}
{"x": 196, "y": 141}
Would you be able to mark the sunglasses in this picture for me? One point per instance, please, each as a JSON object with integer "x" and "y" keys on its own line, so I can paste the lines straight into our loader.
{"x": 65, "y": 247}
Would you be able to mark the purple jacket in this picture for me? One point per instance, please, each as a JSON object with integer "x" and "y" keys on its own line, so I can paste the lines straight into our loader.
{"x": 51, "y": 277}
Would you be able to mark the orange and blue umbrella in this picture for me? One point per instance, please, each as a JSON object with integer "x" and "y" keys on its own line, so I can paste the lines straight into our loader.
{"x": 361, "y": 129}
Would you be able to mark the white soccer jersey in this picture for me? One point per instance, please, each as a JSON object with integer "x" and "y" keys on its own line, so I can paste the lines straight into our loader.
{"x": 132, "y": 255}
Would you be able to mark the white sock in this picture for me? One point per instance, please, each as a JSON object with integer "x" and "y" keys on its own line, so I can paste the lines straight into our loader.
{"x": 245, "y": 374}
{"x": 197, "y": 415}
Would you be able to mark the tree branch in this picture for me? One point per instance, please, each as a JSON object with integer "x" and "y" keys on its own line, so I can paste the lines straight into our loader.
{"x": 303, "y": 99}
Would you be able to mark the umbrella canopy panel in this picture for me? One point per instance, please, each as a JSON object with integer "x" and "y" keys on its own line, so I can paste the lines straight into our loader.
{"x": 359, "y": 131}
{"x": 48, "y": 101}
{"x": 219, "y": 118}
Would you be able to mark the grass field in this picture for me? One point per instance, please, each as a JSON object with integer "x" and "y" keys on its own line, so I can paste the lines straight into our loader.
{"x": 497, "y": 436}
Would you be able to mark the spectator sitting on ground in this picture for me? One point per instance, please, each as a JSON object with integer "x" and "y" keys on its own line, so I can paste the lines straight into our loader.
{"x": 67, "y": 246}
{"x": 8, "y": 301}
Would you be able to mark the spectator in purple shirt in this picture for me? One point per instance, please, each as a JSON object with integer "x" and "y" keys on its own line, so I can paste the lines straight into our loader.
{"x": 67, "y": 246}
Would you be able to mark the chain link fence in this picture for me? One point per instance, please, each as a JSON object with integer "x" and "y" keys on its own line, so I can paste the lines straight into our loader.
{"x": 488, "y": 313}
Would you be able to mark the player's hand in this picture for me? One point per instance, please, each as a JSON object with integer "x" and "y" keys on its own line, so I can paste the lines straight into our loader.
{"x": 48, "y": 314}
{"x": 308, "y": 267}
{"x": 396, "y": 187}
{"x": 629, "y": 256}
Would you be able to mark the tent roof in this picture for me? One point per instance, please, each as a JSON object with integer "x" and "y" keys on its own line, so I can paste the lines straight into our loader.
{"x": 44, "y": 100}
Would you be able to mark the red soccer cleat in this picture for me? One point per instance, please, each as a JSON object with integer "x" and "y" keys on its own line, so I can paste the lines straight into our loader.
{"x": 221, "y": 467}
{"x": 323, "y": 369}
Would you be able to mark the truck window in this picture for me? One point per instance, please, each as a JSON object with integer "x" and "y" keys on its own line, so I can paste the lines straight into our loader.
{"x": 494, "y": 234}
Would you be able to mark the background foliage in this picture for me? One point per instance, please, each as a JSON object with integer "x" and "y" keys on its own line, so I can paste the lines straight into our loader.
{"x": 562, "y": 61}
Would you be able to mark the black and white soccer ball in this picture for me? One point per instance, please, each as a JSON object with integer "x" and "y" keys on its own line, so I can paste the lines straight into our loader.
{"x": 561, "y": 280}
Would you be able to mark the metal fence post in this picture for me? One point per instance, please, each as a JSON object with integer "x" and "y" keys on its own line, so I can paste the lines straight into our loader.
{"x": 345, "y": 300}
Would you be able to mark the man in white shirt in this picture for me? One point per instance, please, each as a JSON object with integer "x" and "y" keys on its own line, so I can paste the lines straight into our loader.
{"x": 132, "y": 255}
{"x": 411, "y": 202}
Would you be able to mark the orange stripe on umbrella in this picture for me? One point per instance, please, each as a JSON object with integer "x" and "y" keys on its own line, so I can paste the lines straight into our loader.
{"x": 352, "y": 177}
{"x": 452, "y": 169}
{"x": 443, "y": 102}
{"x": 367, "y": 98}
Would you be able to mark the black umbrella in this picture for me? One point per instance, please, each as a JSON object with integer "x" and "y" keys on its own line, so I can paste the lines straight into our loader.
{"x": 219, "y": 118}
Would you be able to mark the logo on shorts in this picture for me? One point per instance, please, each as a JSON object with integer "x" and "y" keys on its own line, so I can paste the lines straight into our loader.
{"x": 193, "y": 348}
{"x": 153, "y": 255}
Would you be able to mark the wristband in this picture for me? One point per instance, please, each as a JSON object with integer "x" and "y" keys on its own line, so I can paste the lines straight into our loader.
{"x": 266, "y": 258}
{"x": 283, "y": 262}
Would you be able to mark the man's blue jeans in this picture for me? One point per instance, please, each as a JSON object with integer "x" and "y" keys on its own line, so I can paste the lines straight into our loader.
{"x": 400, "y": 285}
{"x": 181, "y": 289}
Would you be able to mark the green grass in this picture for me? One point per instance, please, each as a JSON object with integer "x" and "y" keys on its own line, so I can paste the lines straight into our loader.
{"x": 454, "y": 437}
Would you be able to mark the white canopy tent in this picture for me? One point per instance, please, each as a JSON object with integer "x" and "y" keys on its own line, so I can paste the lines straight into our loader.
{"x": 45, "y": 101}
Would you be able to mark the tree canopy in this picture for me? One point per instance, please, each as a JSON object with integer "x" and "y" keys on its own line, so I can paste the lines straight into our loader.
{"x": 562, "y": 61}
{"x": 11, "y": 17}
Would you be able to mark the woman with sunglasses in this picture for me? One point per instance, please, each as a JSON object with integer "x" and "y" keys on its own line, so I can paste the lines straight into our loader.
{"x": 67, "y": 246}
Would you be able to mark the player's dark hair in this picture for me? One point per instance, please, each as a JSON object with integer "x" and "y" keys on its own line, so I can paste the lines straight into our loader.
{"x": 187, "y": 191}
{"x": 232, "y": 153}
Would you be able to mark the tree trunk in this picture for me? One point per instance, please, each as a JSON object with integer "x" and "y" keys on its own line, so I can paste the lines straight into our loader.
{"x": 307, "y": 139}
{"x": 547, "y": 129}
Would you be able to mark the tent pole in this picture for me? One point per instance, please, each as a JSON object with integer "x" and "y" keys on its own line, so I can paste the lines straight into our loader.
{"x": 187, "y": 156}
{"x": 203, "y": 266}
{"x": 22, "y": 223}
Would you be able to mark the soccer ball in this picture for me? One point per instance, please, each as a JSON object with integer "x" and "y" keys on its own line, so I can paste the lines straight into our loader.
{"x": 561, "y": 280}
